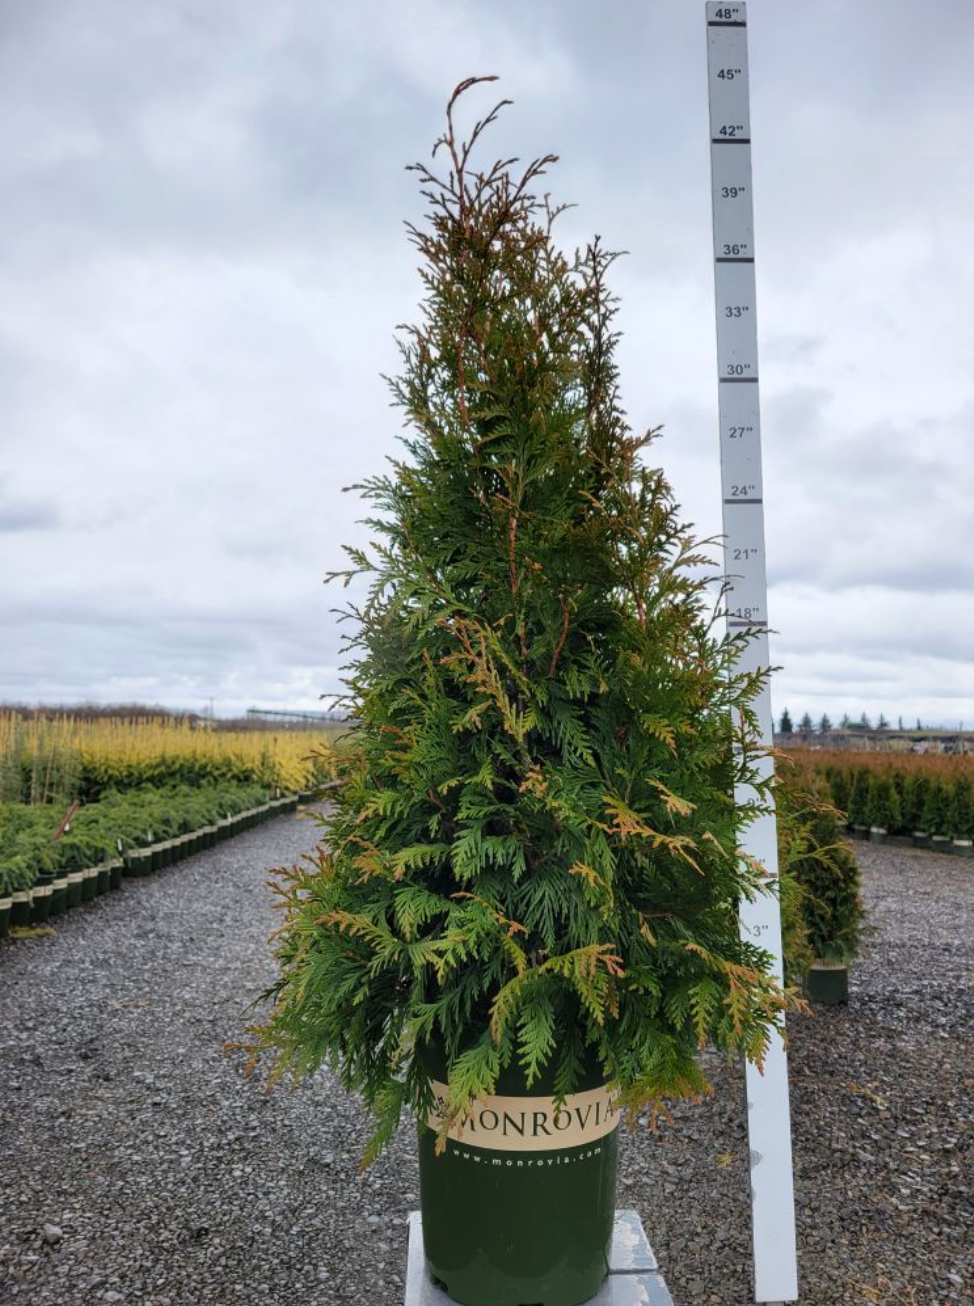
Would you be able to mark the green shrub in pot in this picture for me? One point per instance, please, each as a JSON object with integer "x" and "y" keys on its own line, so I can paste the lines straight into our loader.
{"x": 961, "y": 814}
{"x": 883, "y": 807}
{"x": 831, "y": 898}
{"x": 936, "y": 813}
{"x": 858, "y": 808}
{"x": 531, "y": 877}
{"x": 916, "y": 789}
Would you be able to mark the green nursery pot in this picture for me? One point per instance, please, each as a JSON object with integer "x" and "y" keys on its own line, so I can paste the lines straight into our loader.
{"x": 519, "y": 1208}
{"x": 963, "y": 848}
{"x": 75, "y": 888}
{"x": 59, "y": 896}
{"x": 89, "y": 884}
{"x": 104, "y": 878}
{"x": 115, "y": 869}
{"x": 827, "y": 984}
{"x": 40, "y": 904}
{"x": 20, "y": 908}
{"x": 921, "y": 839}
{"x": 138, "y": 862}
{"x": 941, "y": 843}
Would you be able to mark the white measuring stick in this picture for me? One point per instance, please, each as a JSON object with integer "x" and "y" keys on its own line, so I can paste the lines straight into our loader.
{"x": 768, "y": 1115}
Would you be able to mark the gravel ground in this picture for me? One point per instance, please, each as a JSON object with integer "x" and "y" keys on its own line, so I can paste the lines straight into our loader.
{"x": 137, "y": 1165}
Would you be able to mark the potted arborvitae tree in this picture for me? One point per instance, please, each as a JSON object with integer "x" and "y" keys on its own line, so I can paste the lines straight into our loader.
{"x": 830, "y": 896}
{"x": 523, "y": 920}
{"x": 883, "y": 807}
{"x": 915, "y": 803}
{"x": 962, "y": 815}
{"x": 858, "y": 810}
{"x": 936, "y": 815}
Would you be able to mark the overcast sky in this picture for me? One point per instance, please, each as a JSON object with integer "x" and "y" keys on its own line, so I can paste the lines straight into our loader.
{"x": 202, "y": 263}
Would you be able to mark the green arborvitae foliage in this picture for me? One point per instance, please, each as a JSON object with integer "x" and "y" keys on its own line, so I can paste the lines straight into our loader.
{"x": 533, "y": 855}
{"x": 883, "y": 809}
{"x": 936, "y": 810}
{"x": 961, "y": 814}
{"x": 838, "y": 779}
{"x": 916, "y": 789}
{"x": 821, "y": 881}
{"x": 858, "y": 805}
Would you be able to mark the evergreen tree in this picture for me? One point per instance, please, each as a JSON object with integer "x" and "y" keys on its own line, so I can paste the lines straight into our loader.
{"x": 882, "y": 723}
{"x": 532, "y": 855}
{"x": 936, "y": 809}
{"x": 883, "y": 810}
{"x": 785, "y": 726}
{"x": 824, "y": 725}
{"x": 839, "y": 785}
{"x": 915, "y": 801}
{"x": 961, "y": 812}
{"x": 845, "y": 723}
{"x": 805, "y": 725}
{"x": 859, "y": 797}
{"x": 821, "y": 879}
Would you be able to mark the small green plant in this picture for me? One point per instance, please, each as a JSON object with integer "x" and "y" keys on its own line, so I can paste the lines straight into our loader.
{"x": 916, "y": 790}
{"x": 828, "y": 888}
{"x": 961, "y": 814}
{"x": 116, "y": 822}
{"x": 883, "y": 804}
{"x": 858, "y": 808}
{"x": 533, "y": 856}
{"x": 936, "y": 809}
{"x": 839, "y": 784}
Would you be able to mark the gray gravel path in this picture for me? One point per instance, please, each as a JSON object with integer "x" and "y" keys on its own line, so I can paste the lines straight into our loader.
{"x": 165, "y": 1178}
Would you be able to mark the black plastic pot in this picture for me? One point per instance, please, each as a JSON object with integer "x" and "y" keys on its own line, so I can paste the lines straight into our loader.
{"x": 115, "y": 869}
{"x": 104, "y": 879}
{"x": 963, "y": 848}
{"x": 40, "y": 904}
{"x": 20, "y": 909}
{"x": 75, "y": 888}
{"x": 59, "y": 896}
{"x": 827, "y": 983}
{"x": 6, "y": 905}
{"x": 519, "y": 1208}
{"x": 138, "y": 862}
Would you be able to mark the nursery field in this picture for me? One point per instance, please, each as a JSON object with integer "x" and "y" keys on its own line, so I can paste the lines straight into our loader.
{"x": 142, "y": 1166}
{"x": 84, "y": 797}
{"x": 928, "y": 798}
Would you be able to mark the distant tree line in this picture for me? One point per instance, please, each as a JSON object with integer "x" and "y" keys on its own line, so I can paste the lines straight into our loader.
{"x": 806, "y": 726}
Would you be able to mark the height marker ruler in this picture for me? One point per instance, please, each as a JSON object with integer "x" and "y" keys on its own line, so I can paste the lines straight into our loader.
{"x": 768, "y": 1115}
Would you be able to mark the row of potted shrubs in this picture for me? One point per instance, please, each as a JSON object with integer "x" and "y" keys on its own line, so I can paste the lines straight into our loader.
{"x": 930, "y": 811}
{"x": 131, "y": 835}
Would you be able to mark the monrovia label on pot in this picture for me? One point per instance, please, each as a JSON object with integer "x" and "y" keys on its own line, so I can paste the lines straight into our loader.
{"x": 531, "y": 1124}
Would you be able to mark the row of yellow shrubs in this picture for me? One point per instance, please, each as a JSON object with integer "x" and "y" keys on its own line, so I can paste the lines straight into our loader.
{"x": 56, "y": 760}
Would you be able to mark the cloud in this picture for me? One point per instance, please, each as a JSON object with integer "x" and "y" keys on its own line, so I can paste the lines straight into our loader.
{"x": 19, "y": 514}
{"x": 203, "y": 264}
